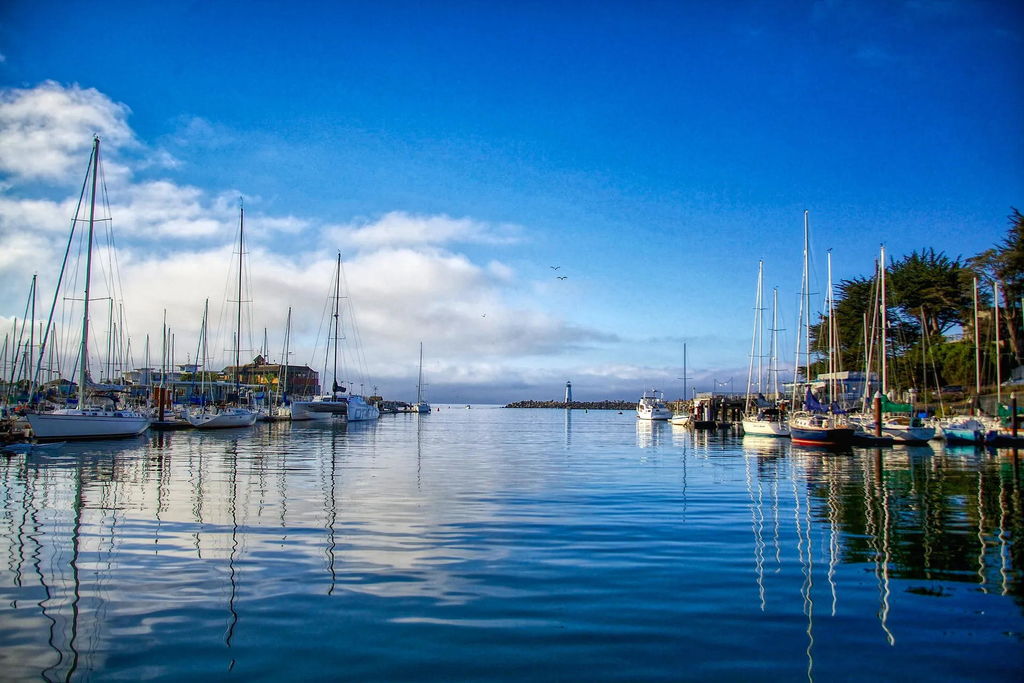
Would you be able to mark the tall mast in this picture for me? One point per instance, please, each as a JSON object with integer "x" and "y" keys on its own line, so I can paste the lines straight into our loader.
{"x": 84, "y": 353}
{"x": 238, "y": 323}
{"x": 885, "y": 326}
{"x": 337, "y": 299}
{"x": 419, "y": 382}
{"x": 977, "y": 348}
{"x": 807, "y": 297}
{"x": 756, "y": 345}
{"x": 831, "y": 334}
{"x": 684, "y": 371}
{"x": 31, "y": 343}
{"x": 999, "y": 360}
{"x": 773, "y": 360}
{"x": 283, "y": 388}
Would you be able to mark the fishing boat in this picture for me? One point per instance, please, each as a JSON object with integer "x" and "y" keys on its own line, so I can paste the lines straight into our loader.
{"x": 84, "y": 421}
{"x": 651, "y": 406}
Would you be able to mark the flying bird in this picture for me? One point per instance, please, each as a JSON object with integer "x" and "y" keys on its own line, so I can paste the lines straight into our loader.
{"x": 562, "y": 277}
{"x": 555, "y": 267}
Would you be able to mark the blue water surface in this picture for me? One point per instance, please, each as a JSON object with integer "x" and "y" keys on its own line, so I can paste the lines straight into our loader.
{"x": 497, "y": 544}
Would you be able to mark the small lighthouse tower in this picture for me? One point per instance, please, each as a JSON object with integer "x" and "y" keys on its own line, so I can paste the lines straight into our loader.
{"x": 568, "y": 392}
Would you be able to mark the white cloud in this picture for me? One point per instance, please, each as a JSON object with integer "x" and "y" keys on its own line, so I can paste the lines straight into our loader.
{"x": 398, "y": 228}
{"x": 46, "y": 131}
{"x": 176, "y": 242}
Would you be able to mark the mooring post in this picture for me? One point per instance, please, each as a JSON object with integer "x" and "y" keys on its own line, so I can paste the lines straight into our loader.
{"x": 877, "y": 403}
{"x": 1013, "y": 415}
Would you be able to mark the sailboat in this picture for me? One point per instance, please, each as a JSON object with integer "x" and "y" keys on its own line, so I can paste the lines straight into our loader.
{"x": 421, "y": 405}
{"x": 276, "y": 409}
{"x": 761, "y": 416}
{"x": 84, "y": 421}
{"x": 969, "y": 429}
{"x": 898, "y": 420}
{"x": 682, "y": 418}
{"x": 339, "y": 402}
{"x": 817, "y": 424}
{"x": 224, "y": 417}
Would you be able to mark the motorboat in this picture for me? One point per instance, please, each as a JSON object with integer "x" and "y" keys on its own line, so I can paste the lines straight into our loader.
{"x": 652, "y": 406}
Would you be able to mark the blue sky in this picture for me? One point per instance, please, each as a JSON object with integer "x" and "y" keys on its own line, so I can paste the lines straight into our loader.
{"x": 455, "y": 151}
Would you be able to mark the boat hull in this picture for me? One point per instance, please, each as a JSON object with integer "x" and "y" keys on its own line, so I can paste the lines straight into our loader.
{"x": 318, "y": 410}
{"x": 361, "y": 411}
{"x": 87, "y": 424}
{"x": 826, "y": 436}
{"x": 765, "y": 428}
{"x": 223, "y": 420}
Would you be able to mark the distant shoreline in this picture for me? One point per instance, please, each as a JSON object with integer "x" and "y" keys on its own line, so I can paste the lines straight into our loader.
{"x": 585, "y": 405}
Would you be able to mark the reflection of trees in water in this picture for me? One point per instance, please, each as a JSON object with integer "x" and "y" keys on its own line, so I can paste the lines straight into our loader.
{"x": 939, "y": 517}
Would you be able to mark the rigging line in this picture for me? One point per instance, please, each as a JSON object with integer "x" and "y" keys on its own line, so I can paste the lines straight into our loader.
{"x": 63, "y": 268}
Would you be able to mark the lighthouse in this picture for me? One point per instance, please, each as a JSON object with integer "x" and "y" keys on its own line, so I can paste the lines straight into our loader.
{"x": 568, "y": 391}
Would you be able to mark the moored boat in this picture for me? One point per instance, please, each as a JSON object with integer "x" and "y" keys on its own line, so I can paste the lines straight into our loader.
{"x": 85, "y": 421}
{"x": 820, "y": 429}
{"x": 652, "y": 406}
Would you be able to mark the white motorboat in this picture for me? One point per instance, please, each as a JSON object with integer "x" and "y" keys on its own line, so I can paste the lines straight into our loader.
{"x": 652, "y": 406}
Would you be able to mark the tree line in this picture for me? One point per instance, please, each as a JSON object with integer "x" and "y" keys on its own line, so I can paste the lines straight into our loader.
{"x": 930, "y": 307}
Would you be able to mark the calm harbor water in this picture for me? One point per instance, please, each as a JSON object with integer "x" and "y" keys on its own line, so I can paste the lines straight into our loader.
{"x": 494, "y": 544}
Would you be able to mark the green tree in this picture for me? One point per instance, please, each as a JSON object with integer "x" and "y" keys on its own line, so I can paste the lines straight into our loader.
{"x": 1003, "y": 264}
{"x": 926, "y": 290}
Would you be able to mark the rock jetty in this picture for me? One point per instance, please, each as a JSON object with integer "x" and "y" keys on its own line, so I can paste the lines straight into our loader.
{"x": 582, "y": 405}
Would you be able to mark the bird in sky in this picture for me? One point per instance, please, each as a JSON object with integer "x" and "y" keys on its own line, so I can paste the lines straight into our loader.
{"x": 562, "y": 277}
{"x": 555, "y": 267}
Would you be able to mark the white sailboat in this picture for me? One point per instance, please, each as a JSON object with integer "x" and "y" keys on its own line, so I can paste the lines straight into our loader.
{"x": 898, "y": 420}
{"x": 816, "y": 424}
{"x": 683, "y": 417}
{"x": 84, "y": 421}
{"x": 762, "y": 417}
{"x": 225, "y": 417}
{"x": 338, "y": 403}
{"x": 421, "y": 405}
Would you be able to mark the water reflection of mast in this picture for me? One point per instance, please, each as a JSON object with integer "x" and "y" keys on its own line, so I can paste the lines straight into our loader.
{"x": 332, "y": 516}
{"x": 807, "y": 567}
{"x": 756, "y": 527}
{"x": 879, "y": 495}
{"x": 232, "y": 505}
{"x": 981, "y": 531}
{"x": 37, "y": 564}
{"x": 831, "y": 464}
{"x": 76, "y": 535}
{"x": 1004, "y": 553}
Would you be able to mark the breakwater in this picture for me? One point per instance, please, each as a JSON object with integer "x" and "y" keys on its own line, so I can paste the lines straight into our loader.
{"x": 583, "y": 405}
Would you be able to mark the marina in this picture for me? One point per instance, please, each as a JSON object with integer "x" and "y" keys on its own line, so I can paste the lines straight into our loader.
{"x": 511, "y": 342}
{"x": 503, "y": 545}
